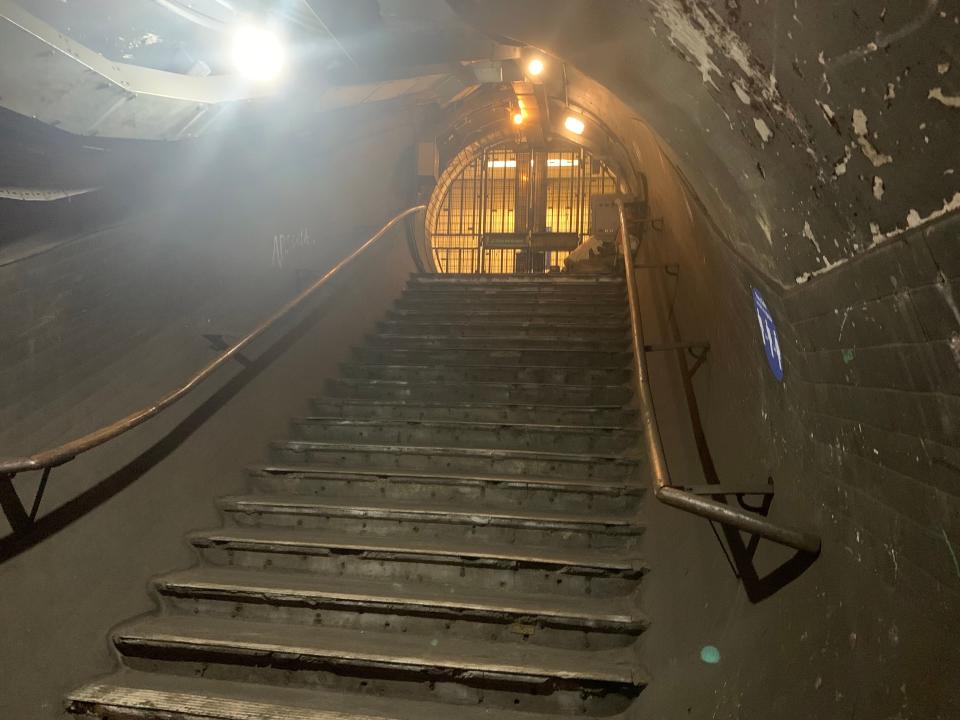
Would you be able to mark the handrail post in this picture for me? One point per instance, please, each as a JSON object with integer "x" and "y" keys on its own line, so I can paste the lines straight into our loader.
{"x": 663, "y": 490}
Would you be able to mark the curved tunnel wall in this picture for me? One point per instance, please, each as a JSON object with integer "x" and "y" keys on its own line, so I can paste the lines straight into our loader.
{"x": 860, "y": 437}
{"x": 748, "y": 123}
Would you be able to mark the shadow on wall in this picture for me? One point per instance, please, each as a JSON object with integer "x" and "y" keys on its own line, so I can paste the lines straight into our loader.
{"x": 90, "y": 499}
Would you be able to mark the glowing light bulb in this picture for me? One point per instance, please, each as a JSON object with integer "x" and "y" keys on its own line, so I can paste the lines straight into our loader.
{"x": 257, "y": 53}
{"x": 574, "y": 125}
{"x": 518, "y": 118}
{"x": 535, "y": 67}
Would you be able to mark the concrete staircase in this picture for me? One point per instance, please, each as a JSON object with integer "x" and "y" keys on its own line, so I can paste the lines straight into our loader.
{"x": 453, "y": 532}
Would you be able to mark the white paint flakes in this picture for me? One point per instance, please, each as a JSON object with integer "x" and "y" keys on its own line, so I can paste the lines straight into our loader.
{"x": 763, "y": 129}
{"x": 841, "y": 166}
{"x": 741, "y": 91}
{"x": 827, "y": 264}
{"x": 943, "y": 68}
{"x": 891, "y": 92}
{"x": 878, "y": 187}
{"x": 827, "y": 111}
{"x": 808, "y": 234}
{"x": 948, "y": 100}
{"x": 866, "y": 147}
{"x": 689, "y": 38}
{"x": 701, "y": 34}
{"x": 914, "y": 220}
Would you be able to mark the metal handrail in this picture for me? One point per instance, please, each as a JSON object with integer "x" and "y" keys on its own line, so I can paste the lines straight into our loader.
{"x": 663, "y": 490}
{"x": 68, "y": 451}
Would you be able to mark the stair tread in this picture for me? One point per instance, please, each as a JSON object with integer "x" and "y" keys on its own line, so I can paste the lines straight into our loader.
{"x": 426, "y": 510}
{"x": 465, "y": 424}
{"x": 530, "y": 480}
{"x": 483, "y": 404}
{"x": 603, "y": 559}
{"x": 346, "y": 646}
{"x": 148, "y": 694}
{"x": 500, "y": 366}
{"x": 304, "y": 587}
{"x": 563, "y": 340}
{"x": 447, "y": 450}
{"x": 472, "y": 383}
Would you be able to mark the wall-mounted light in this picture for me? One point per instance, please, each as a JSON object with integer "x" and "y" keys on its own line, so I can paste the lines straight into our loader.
{"x": 257, "y": 53}
{"x": 535, "y": 67}
{"x": 518, "y": 118}
{"x": 574, "y": 124}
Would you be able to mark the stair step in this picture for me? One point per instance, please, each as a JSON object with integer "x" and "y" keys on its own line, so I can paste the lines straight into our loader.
{"x": 594, "y": 416}
{"x": 559, "y": 494}
{"x": 517, "y": 392}
{"x": 245, "y": 643}
{"x": 599, "y": 330}
{"x": 480, "y": 355}
{"x": 485, "y": 279}
{"x": 456, "y": 433}
{"x": 575, "y": 311}
{"x": 422, "y": 512}
{"x": 489, "y": 373}
{"x": 528, "y": 303}
{"x": 518, "y": 320}
{"x": 377, "y": 596}
{"x": 503, "y": 341}
{"x": 280, "y": 540}
{"x": 129, "y": 695}
{"x": 456, "y": 459}
{"x": 436, "y": 520}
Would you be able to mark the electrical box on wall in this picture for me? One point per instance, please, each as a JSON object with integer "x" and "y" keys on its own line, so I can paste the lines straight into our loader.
{"x": 604, "y": 215}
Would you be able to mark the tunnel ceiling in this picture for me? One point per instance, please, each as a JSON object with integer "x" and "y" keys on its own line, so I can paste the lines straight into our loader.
{"x": 812, "y": 132}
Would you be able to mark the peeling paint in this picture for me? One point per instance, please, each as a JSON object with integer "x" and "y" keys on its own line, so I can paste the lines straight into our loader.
{"x": 878, "y": 187}
{"x": 943, "y": 68}
{"x": 866, "y": 147}
{"x": 763, "y": 129}
{"x": 701, "y": 34}
{"x": 882, "y": 41}
{"x": 948, "y": 100}
{"x": 741, "y": 91}
{"x": 689, "y": 39}
{"x": 914, "y": 220}
{"x": 840, "y": 168}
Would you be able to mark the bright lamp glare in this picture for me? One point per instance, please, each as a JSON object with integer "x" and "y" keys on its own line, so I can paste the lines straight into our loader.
{"x": 518, "y": 118}
{"x": 257, "y": 53}
{"x": 574, "y": 125}
{"x": 535, "y": 67}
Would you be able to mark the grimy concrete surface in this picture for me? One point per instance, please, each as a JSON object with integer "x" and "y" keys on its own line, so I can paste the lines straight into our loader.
{"x": 62, "y": 596}
{"x": 764, "y": 131}
{"x": 98, "y": 327}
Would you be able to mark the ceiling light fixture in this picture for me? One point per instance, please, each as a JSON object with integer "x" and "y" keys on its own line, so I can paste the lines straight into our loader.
{"x": 574, "y": 124}
{"x": 535, "y": 67}
{"x": 257, "y": 53}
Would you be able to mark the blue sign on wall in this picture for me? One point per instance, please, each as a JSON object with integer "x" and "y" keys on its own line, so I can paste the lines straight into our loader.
{"x": 768, "y": 334}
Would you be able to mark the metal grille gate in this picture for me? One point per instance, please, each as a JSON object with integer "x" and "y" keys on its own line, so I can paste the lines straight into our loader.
{"x": 515, "y": 209}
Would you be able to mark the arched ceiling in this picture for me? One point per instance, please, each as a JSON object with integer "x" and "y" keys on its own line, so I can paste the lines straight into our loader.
{"x": 812, "y": 131}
